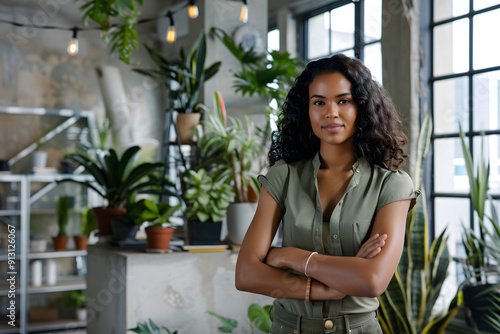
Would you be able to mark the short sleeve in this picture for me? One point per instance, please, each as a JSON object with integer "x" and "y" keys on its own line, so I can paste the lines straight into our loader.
{"x": 397, "y": 186}
{"x": 275, "y": 182}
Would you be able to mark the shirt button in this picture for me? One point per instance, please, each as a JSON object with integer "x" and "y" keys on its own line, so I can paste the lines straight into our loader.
{"x": 335, "y": 236}
{"x": 340, "y": 203}
{"x": 328, "y": 324}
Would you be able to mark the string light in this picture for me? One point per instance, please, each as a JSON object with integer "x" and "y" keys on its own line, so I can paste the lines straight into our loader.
{"x": 193, "y": 12}
{"x": 193, "y": 9}
{"x": 73, "y": 45}
{"x": 171, "y": 29}
{"x": 244, "y": 12}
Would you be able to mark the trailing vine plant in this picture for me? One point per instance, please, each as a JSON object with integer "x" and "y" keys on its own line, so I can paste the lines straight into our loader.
{"x": 123, "y": 37}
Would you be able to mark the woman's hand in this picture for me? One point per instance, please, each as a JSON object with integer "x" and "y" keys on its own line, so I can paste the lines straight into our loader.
{"x": 372, "y": 247}
{"x": 283, "y": 257}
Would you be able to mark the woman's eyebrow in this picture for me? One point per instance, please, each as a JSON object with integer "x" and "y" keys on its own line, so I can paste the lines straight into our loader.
{"x": 322, "y": 97}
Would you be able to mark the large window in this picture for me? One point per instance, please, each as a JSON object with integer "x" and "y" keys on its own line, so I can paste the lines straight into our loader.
{"x": 465, "y": 91}
{"x": 352, "y": 28}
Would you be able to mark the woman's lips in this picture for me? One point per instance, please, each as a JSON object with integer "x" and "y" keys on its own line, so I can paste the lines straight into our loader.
{"x": 333, "y": 127}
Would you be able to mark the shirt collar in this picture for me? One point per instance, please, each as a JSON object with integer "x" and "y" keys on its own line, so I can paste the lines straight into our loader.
{"x": 358, "y": 167}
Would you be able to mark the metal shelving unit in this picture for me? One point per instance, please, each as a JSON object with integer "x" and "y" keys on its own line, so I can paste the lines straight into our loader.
{"x": 29, "y": 189}
{"x": 23, "y": 255}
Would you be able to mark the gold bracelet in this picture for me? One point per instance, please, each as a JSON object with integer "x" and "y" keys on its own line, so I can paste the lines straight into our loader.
{"x": 308, "y": 289}
{"x": 307, "y": 262}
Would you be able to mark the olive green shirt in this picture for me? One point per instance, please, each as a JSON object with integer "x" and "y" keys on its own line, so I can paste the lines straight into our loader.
{"x": 295, "y": 189}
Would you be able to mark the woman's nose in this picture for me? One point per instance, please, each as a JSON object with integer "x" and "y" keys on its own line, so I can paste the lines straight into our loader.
{"x": 332, "y": 111}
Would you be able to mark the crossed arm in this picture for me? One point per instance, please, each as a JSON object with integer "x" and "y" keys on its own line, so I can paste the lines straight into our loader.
{"x": 265, "y": 271}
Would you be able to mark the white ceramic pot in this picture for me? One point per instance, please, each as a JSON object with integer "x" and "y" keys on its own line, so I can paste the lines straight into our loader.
{"x": 239, "y": 217}
{"x": 38, "y": 245}
{"x": 36, "y": 273}
{"x": 81, "y": 314}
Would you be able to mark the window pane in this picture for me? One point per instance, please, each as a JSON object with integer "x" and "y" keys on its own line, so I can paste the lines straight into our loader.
{"x": 485, "y": 101}
{"x": 451, "y": 213}
{"x": 490, "y": 146}
{"x": 342, "y": 33}
{"x": 450, "y": 175}
{"x": 373, "y": 20}
{"x": 373, "y": 60}
{"x": 451, "y": 105}
{"x": 445, "y": 9}
{"x": 451, "y": 47}
{"x": 317, "y": 35}
{"x": 486, "y": 49}
{"x": 480, "y": 4}
{"x": 273, "y": 40}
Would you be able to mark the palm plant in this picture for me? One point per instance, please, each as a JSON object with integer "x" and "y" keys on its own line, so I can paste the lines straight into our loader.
{"x": 184, "y": 78}
{"x": 407, "y": 304}
{"x": 268, "y": 75}
{"x": 115, "y": 178}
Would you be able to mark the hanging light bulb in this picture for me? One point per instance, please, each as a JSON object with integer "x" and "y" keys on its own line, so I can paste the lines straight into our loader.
{"x": 244, "y": 12}
{"x": 171, "y": 29}
{"x": 73, "y": 45}
{"x": 193, "y": 9}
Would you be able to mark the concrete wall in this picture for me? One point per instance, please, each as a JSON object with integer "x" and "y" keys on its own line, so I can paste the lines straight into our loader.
{"x": 174, "y": 290}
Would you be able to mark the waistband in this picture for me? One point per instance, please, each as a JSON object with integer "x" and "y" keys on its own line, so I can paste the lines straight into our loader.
{"x": 318, "y": 325}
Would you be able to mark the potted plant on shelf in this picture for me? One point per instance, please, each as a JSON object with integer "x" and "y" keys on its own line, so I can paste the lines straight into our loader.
{"x": 160, "y": 229}
{"x": 88, "y": 225}
{"x": 480, "y": 292}
{"x": 207, "y": 199}
{"x": 115, "y": 178}
{"x": 184, "y": 80}
{"x": 77, "y": 300}
{"x": 61, "y": 239}
{"x": 230, "y": 149}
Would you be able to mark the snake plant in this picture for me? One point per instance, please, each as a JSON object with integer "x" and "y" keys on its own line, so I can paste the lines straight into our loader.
{"x": 483, "y": 250}
{"x": 407, "y": 304}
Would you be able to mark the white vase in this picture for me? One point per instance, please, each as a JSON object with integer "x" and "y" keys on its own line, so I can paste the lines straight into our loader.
{"x": 51, "y": 272}
{"x": 36, "y": 273}
{"x": 239, "y": 217}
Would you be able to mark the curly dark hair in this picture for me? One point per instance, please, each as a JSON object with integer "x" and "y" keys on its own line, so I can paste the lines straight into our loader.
{"x": 379, "y": 136}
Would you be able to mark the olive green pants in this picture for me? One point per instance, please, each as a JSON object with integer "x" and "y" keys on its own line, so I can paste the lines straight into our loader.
{"x": 284, "y": 322}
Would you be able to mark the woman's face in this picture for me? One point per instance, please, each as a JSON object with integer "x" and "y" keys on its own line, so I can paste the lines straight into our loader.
{"x": 332, "y": 110}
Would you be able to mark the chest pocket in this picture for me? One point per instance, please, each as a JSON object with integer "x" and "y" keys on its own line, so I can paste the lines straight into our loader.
{"x": 360, "y": 233}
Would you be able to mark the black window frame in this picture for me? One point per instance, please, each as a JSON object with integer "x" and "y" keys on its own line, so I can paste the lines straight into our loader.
{"x": 470, "y": 134}
{"x": 359, "y": 28}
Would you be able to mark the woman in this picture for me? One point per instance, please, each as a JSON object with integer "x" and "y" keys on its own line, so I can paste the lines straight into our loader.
{"x": 336, "y": 185}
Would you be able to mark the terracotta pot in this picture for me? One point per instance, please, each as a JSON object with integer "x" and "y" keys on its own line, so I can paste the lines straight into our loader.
{"x": 60, "y": 242}
{"x": 104, "y": 217}
{"x": 81, "y": 242}
{"x": 186, "y": 126}
{"x": 159, "y": 237}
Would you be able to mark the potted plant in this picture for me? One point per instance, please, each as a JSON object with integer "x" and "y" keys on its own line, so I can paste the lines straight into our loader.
{"x": 160, "y": 229}
{"x": 115, "y": 178}
{"x": 77, "y": 300}
{"x": 184, "y": 80}
{"x": 230, "y": 149}
{"x": 61, "y": 239}
{"x": 207, "y": 199}
{"x": 88, "y": 225}
{"x": 480, "y": 292}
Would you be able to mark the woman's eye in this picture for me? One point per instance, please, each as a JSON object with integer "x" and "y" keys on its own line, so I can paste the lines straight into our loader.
{"x": 318, "y": 103}
{"x": 343, "y": 101}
